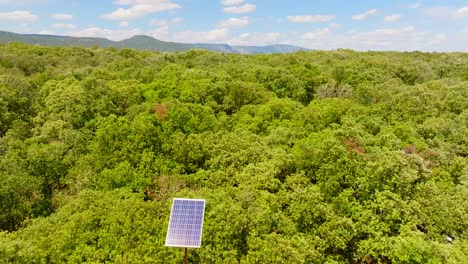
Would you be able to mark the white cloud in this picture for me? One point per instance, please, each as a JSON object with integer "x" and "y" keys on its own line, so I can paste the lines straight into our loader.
{"x": 415, "y": 5}
{"x": 439, "y": 39}
{"x": 310, "y": 18}
{"x": 105, "y": 33}
{"x": 139, "y": 8}
{"x": 64, "y": 26}
{"x": 218, "y": 35}
{"x": 400, "y": 39}
{"x": 364, "y": 15}
{"x": 231, "y": 2}
{"x": 255, "y": 39}
{"x": 393, "y": 32}
{"x": 162, "y": 28}
{"x": 462, "y": 12}
{"x": 247, "y": 8}
{"x": 407, "y": 38}
{"x": 316, "y": 35}
{"x": 161, "y": 33}
{"x": 20, "y": 15}
{"x": 465, "y": 31}
{"x": 165, "y": 22}
{"x": 234, "y": 22}
{"x": 334, "y": 25}
{"x": 440, "y": 12}
{"x": 124, "y": 24}
{"x": 62, "y": 16}
{"x": 322, "y": 38}
{"x": 392, "y": 18}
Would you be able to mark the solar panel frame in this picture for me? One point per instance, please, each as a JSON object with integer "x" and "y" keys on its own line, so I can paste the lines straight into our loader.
{"x": 185, "y": 227}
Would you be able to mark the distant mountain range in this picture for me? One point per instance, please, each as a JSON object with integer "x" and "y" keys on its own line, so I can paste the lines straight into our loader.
{"x": 140, "y": 42}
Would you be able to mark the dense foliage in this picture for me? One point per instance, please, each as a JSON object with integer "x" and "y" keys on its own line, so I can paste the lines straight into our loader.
{"x": 312, "y": 157}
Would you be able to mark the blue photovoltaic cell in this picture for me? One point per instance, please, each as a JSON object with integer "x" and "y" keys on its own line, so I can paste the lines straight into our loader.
{"x": 185, "y": 223}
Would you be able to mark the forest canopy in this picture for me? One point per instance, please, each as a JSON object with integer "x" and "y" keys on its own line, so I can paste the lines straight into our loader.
{"x": 311, "y": 157}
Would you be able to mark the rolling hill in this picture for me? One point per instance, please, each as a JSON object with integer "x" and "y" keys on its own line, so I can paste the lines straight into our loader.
{"x": 140, "y": 42}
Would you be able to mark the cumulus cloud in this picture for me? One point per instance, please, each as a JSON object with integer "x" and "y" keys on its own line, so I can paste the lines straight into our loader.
{"x": 462, "y": 12}
{"x": 62, "y": 16}
{"x": 334, "y": 25}
{"x": 439, "y": 39}
{"x": 139, "y": 8}
{"x": 124, "y": 24}
{"x": 310, "y": 18}
{"x": 105, "y": 33}
{"x": 441, "y": 12}
{"x": 161, "y": 33}
{"x": 255, "y": 39}
{"x": 247, "y": 8}
{"x": 364, "y": 15}
{"x": 392, "y": 18}
{"x": 385, "y": 37}
{"x": 321, "y": 38}
{"x": 218, "y": 35}
{"x": 160, "y": 28}
{"x": 400, "y": 39}
{"x": 406, "y": 38}
{"x": 164, "y": 22}
{"x": 415, "y": 5}
{"x": 316, "y": 35}
{"x": 64, "y": 26}
{"x": 231, "y": 2}
{"x": 234, "y": 22}
{"x": 20, "y": 15}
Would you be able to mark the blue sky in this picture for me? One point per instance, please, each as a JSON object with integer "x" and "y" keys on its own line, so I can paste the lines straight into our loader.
{"x": 427, "y": 25}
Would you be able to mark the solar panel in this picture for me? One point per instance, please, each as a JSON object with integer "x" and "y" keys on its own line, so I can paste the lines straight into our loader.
{"x": 185, "y": 223}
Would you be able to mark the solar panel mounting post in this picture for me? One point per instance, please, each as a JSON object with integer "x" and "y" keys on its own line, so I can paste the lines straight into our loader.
{"x": 186, "y": 256}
